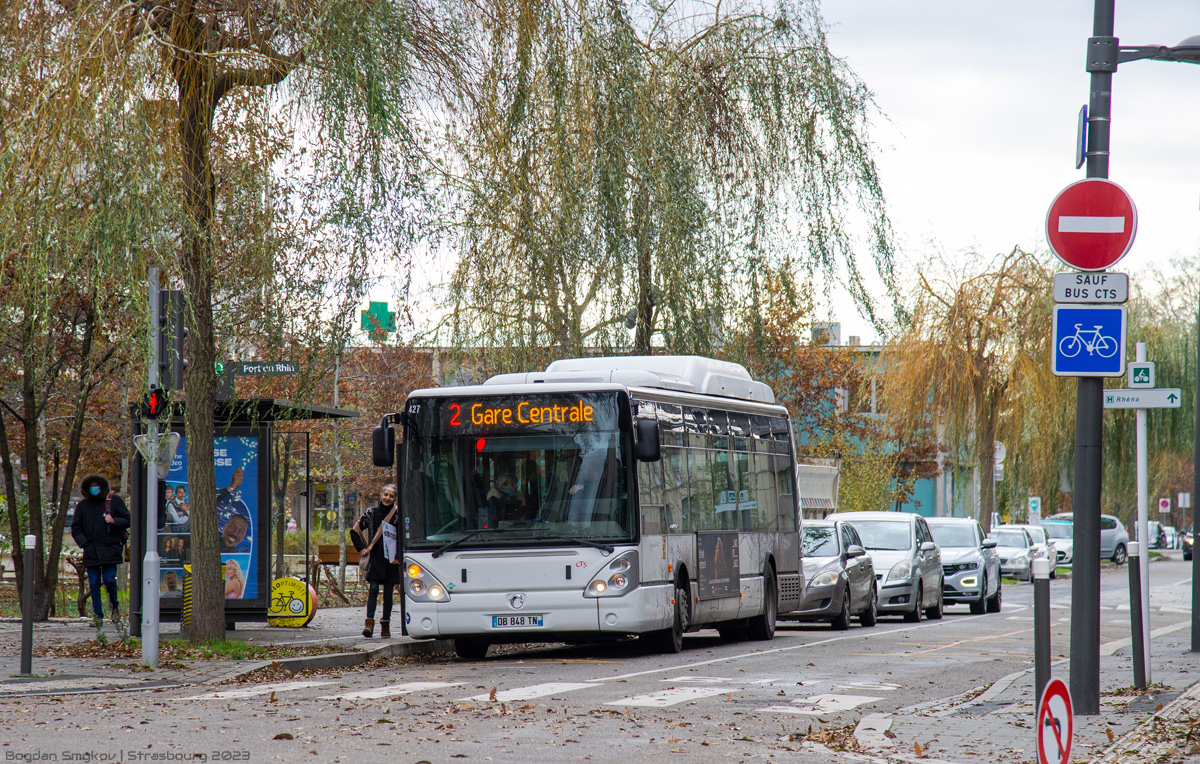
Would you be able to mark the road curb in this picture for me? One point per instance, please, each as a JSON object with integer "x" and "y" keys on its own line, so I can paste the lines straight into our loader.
{"x": 339, "y": 660}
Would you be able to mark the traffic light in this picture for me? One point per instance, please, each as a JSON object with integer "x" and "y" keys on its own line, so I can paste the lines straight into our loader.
{"x": 157, "y": 402}
{"x": 173, "y": 332}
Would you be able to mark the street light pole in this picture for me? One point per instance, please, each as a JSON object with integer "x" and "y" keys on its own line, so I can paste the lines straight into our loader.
{"x": 1089, "y": 407}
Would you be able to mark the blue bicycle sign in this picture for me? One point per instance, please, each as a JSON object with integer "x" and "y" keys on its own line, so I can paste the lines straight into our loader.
{"x": 1089, "y": 340}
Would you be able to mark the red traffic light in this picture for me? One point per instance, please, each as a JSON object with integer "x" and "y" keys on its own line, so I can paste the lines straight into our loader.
{"x": 157, "y": 402}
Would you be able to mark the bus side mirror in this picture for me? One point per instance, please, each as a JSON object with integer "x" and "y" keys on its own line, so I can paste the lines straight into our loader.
{"x": 383, "y": 445}
{"x": 647, "y": 447}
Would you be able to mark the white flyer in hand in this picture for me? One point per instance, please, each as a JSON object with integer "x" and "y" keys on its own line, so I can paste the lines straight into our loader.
{"x": 389, "y": 541}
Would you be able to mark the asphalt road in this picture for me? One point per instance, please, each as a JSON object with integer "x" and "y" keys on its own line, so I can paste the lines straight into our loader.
{"x": 714, "y": 701}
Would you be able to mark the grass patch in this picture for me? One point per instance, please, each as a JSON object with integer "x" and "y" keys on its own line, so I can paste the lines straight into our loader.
{"x": 175, "y": 651}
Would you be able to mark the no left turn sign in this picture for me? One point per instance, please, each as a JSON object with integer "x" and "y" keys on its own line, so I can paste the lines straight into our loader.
{"x": 1055, "y": 724}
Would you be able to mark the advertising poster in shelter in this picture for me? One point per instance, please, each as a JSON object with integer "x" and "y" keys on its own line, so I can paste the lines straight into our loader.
{"x": 235, "y": 459}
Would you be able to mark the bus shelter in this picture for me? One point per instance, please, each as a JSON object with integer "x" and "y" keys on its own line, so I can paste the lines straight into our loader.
{"x": 242, "y": 458}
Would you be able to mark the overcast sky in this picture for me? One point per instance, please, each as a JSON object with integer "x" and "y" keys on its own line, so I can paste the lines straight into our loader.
{"x": 981, "y": 101}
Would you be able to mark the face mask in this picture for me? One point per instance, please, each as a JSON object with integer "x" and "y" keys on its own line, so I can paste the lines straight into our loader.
{"x": 94, "y": 490}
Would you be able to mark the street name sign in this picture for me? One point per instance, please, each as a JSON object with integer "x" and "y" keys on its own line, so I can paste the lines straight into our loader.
{"x": 1091, "y": 224}
{"x": 1055, "y": 724}
{"x": 261, "y": 368}
{"x": 1091, "y": 287}
{"x": 1160, "y": 398}
{"x": 1141, "y": 374}
{"x": 1089, "y": 340}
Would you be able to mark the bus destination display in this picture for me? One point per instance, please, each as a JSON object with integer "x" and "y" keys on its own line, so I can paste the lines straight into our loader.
{"x": 514, "y": 414}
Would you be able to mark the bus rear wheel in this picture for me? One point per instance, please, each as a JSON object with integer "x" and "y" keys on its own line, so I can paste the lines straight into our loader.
{"x": 762, "y": 627}
{"x": 471, "y": 648}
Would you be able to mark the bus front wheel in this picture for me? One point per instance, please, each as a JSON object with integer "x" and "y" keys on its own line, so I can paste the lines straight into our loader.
{"x": 670, "y": 640}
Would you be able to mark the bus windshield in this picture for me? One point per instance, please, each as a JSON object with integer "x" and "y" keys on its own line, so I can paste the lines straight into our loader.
{"x": 529, "y": 470}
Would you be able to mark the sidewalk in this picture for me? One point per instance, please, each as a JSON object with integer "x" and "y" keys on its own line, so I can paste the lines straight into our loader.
{"x": 341, "y": 627}
{"x": 999, "y": 723}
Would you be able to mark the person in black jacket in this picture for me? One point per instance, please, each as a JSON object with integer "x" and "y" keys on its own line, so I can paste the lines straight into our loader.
{"x": 367, "y": 535}
{"x": 101, "y": 519}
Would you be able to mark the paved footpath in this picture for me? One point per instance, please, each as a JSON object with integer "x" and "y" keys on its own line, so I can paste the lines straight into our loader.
{"x": 996, "y": 724}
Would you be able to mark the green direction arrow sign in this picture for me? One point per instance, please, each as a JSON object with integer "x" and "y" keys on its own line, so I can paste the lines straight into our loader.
{"x": 1160, "y": 398}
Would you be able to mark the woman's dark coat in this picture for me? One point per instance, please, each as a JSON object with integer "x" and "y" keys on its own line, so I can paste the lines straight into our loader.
{"x": 101, "y": 542}
{"x": 380, "y": 570}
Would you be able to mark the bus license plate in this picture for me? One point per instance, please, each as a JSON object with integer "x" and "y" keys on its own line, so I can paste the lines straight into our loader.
{"x": 516, "y": 621}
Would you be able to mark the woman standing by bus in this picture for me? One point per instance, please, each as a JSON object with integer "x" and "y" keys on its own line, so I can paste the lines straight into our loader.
{"x": 367, "y": 535}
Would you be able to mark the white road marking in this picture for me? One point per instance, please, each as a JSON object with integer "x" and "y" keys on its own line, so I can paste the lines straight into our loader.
{"x": 259, "y": 689}
{"x": 1108, "y": 648}
{"x": 669, "y": 697}
{"x": 392, "y": 689}
{"x": 533, "y": 691}
{"x": 869, "y": 686}
{"x": 816, "y": 705}
{"x": 703, "y": 679}
{"x": 1090, "y": 224}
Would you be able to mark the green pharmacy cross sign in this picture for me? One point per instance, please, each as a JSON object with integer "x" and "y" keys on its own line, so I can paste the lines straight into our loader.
{"x": 378, "y": 321}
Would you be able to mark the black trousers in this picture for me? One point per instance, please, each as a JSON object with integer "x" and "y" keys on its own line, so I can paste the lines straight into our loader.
{"x": 373, "y": 597}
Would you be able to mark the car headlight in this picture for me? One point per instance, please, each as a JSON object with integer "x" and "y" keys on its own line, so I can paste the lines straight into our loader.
{"x": 618, "y": 578}
{"x": 1019, "y": 558}
{"x": 900, "y": 571}
{"x": 828, "y": 578}
{"x": 423, "y": 586}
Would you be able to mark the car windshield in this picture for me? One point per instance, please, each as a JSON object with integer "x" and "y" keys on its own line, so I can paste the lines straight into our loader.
{"x": 886, "y": 535}
{"x": 820, "y": 541}
{"x": 954, "y": 535}
{"x": 1010, "y": 538}
{"x": 541, "y": 468}
{"x": 1058, "y": 530}
{"x": 1037, "y": 534}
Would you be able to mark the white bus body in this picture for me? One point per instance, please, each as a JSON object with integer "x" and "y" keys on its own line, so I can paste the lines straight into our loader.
{"x": 604, "y": 497}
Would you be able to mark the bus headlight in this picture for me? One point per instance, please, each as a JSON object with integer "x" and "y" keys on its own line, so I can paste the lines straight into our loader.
{"x": 422, "y": 586}
{"x": 617, "y": 578}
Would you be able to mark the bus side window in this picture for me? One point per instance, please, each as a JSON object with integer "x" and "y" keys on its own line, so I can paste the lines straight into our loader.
{"x": 700, "y": 471}
{"x": 650, "y": 494}
{"x": 677, "y": 488}
{"x": 766, "y": 514}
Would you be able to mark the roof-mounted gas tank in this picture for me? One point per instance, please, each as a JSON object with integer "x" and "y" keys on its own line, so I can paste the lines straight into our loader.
{"x": 688, "y": 373}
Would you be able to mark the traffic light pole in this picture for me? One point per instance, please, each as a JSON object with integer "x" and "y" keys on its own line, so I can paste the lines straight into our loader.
{"x": 150, "y": 562}
{"x": 1089, "y": 407}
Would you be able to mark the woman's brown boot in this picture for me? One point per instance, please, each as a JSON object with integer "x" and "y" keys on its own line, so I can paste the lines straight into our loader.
{"x": 369, "y": 628}
{"x": 385, "y": 628}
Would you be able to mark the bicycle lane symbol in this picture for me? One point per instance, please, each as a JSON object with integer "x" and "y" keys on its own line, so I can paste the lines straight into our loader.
{"x": 1089, "y": 340}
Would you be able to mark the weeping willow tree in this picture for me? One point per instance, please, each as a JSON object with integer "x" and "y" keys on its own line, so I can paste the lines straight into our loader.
{"x": 978, "y": 340}
{"x": 1162, "y": 313}
{"x": 320, "y": 95}
{"x": 634, "y": 166}
{"x": 79, "y": 219}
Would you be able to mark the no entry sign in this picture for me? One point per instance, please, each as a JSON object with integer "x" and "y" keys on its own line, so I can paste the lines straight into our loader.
{"x": 1055, "y": 724}
{"x": 1091, "y": 224}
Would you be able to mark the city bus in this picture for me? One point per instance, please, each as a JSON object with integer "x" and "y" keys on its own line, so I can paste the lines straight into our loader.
{"x": 602, "y": 498}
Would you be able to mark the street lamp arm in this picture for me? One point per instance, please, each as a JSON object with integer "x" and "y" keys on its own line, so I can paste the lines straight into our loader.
{"x": 1104, "y": 53}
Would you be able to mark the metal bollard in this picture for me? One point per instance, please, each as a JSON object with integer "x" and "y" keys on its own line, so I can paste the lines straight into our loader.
{"x": 1041, "y": 627}
{"x": 27, "y": 609}
{"x": 1135, "y": 616}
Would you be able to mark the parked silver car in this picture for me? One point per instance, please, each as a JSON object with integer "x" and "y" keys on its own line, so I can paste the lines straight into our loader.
{"x": 908, "y": 564}
{"x": 1046, "y": 546}
{"x": 970, "y": 564}
{"x": 1017, "y": 551}
{"x": 1114, "y": 539}
{"x": 841, "y": 578}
